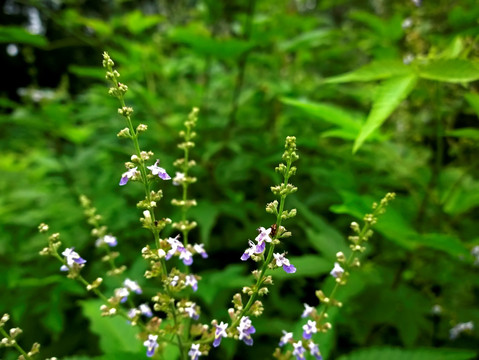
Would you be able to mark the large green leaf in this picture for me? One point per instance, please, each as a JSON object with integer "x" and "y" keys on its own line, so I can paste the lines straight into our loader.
{"x": 377, "y": 70}
{"x": 450, "y": 70}
{"x": 388, "y": 97}
{"x": 413, "y": 354}
{"x": 19, "y": 35}
{"x": 470, "y": 133}
{"x": 327, "y": 112}
{"x": 116, "y": 335}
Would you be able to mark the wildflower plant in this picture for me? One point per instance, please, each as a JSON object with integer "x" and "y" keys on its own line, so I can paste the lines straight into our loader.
{"x": 172, "y": 317}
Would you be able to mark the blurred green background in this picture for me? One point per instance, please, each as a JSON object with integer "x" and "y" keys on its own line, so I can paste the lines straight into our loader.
{"x": 259, "y": 71}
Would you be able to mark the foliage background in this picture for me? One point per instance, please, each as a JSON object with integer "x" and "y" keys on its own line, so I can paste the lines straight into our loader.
{"x": 259, "y": 71}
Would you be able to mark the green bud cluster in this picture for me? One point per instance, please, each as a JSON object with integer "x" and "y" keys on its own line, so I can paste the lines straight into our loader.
{"x": 10, "y": 340}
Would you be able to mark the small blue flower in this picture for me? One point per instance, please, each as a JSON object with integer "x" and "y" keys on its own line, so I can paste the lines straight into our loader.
{"x": 106, "y": 240}
{"x": 282, "y": 261}
{"x": 122, "y": 293}
{"x": 127, "y": 176}
{"x": 151, "y": 345}
{"x": 248, "y": 252}
{"x": 199, "y": 248}
{"x": 71, "y": 257}
{"x": 309, "y": 329}
{"x": 314, "y": 351}
{"x": 191, "y": 311}
{"x": 186, "y": 256}
{"x": 190, "y": 280}
{"x": 287, "y": 336}
{"x": 307, "y": 310}
{"x": 299, "y": 350}
{"x": 156, "y": 170}
{"x": 145, "y": 310}
{"x": 132, "y": 286}
{"x": 220, "y": 333}
{"x": 176, "y": 245}
{"x": 337, "y": 271}
{"x": 194, "y": 352}
{"x": 245, "y": 330}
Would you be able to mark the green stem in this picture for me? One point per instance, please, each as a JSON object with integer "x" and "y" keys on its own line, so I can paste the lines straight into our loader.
{"x": 15, "y": 344}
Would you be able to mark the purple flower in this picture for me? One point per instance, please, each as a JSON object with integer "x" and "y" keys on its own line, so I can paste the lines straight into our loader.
{"x": 106, "y": 240}
{"x": 245, "y": 329}
{"x": 156, "y": 170}
{"x": 314, "y": 351}
{"x": 127, "y": 176}
{"x": 122, "y": 293}
{"x": 262, "y": 239}
{"x": 71, "y": 257}
{"x": 282, "y": 261}
{"x": 220, "y": 333}
{"x": 194, "y": 352}
{"x": 132, "y": 313}
{"x": 186, "y": 256}
{"x": 191, "y": 311}
{"x": 176, "y": 245}
{"x": 190, "y": 280}
{"x": 285, "y": 338}
{"x": 307, "y": 310}
{"x": 309, "y": 329}
{"x": 337, "y": 271}
{"x": 199, "y": 248}
{"x": 249, "y": 251}
{"x": 151, "y": 345}
{"x": 132, "y": 286}
{"x": 145, "y": 310}
{"x": 299, "y": 350}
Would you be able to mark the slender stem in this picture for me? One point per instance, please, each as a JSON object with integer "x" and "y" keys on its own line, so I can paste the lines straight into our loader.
{"x": 15, "y": 344}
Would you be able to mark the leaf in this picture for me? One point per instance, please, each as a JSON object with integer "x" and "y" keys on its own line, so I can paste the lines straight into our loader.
{"x": 19, "y": 35}
{"x": 94, "y": 72}
{"x": 327, "y": 112}
{"x": 388, "y": 97}
{"x": 137, "y": 22}
{"x": 473, "y": 100}
{"x": 201, "y": 42}
{"x": 205, "y": 213}
{"x": 306, "y": 265}
{"x": 450, "y": 70}
{"x": 376, "y": 70}
{"x": 470, "y": 133}
{"x": 447, "y": 243}
{"x": 413, "y": 354}
{"x": 116, "y": 335}
{"x": 306, "y": 40}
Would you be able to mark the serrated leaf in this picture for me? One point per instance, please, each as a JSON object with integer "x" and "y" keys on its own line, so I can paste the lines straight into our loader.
{"x": 377, "y": 70}
{"x": 19, "y": 35}
{"x": 327, "y": 112}
{"x": 388, "y": 97}
{"x": 450, "y": 70}
{"x": 413, "y": 354}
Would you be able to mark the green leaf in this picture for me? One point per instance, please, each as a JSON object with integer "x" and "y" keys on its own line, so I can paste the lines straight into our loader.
{"x": 306, "y": 40}
{"x": 388, "y": 97}
{"x": 450, "y": 70}
{"x": 94, "y": 72}
{"x": 470, "y": 133}
{"x": 377, "y": 70}
{"x": 116, "y": 335}
{"x": 137, "y": 22}
{"x": 413, "y": 354}
{"x": 447, "y": 243}
{"x": 205, "y": 213}
{"x": 19, "y": 35}
{"x": 307, "y": 265}
{"x": 327, "y": 112}
{"x": 473, "y": 100}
